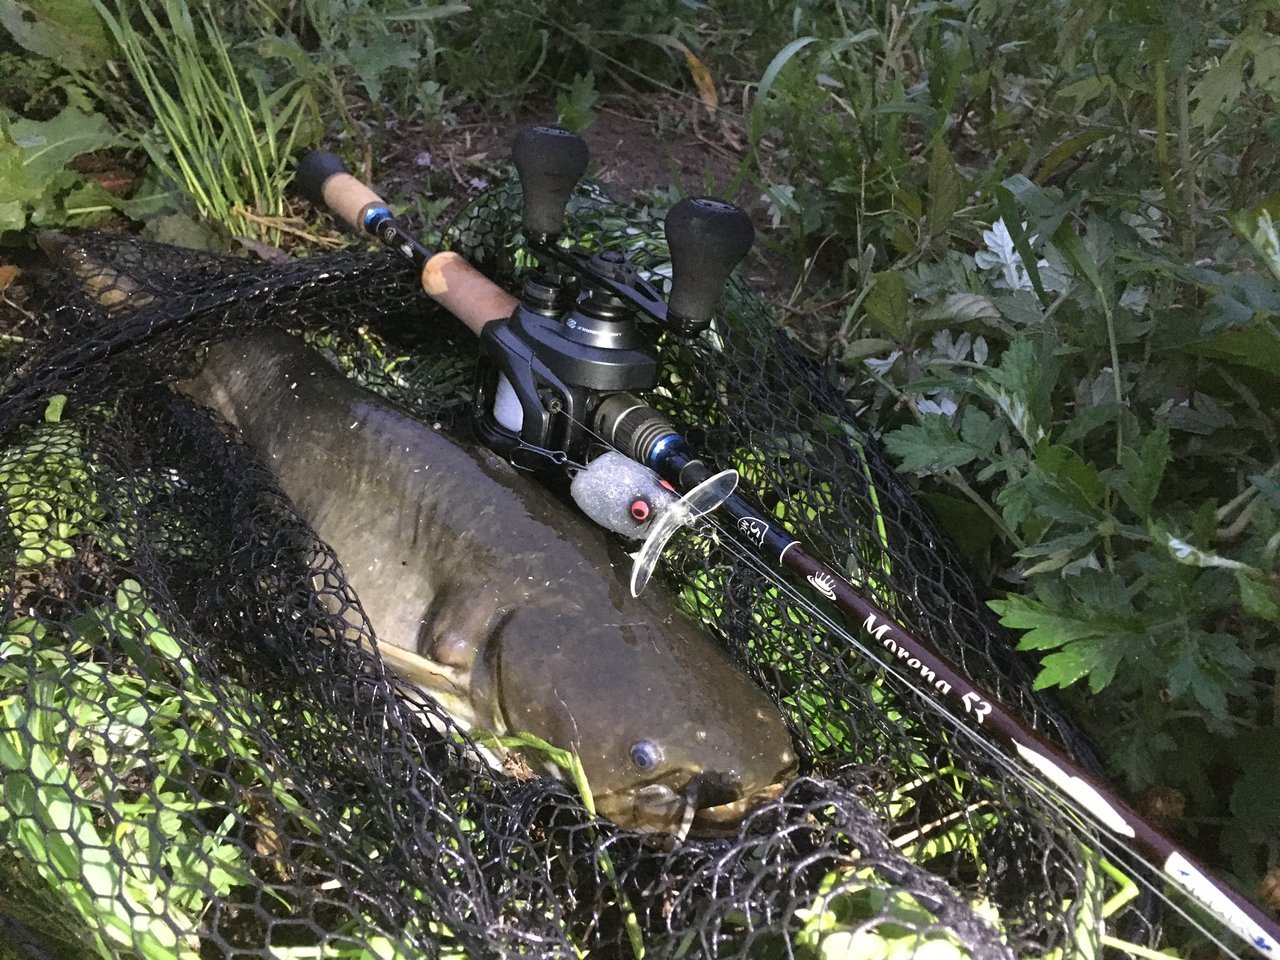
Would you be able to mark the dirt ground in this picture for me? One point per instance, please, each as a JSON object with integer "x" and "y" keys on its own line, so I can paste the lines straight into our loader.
{"x": 635, "y": 149}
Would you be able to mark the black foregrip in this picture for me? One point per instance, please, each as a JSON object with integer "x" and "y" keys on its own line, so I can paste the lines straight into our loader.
{"x": 314, "y": 168}
{"x": 707, "y": 238}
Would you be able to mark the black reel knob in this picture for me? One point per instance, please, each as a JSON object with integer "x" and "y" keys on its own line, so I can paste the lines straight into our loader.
{"x": 707, "y": 238}
{"x": 550, "y": 162}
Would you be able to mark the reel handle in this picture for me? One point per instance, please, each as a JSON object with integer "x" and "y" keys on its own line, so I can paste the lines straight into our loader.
{"x": 550, "y": 162}
{"x": 707, "y": 239}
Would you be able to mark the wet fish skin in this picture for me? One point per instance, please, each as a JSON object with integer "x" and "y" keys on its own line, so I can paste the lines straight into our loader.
{"x": 519, "y": 605}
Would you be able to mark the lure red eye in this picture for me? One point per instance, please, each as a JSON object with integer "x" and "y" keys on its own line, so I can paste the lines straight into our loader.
{"x": 640, "y": 511}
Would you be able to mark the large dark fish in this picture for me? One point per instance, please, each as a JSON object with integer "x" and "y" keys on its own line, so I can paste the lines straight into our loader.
{"x": 511, "y": 599}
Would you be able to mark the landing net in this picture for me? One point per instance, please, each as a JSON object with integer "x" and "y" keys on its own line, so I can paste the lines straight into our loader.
{"x": 196, "y": 763}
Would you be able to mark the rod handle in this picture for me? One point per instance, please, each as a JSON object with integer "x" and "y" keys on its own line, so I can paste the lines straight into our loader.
{"x": 464, "y": 291}
{"x": 324, "y": 180}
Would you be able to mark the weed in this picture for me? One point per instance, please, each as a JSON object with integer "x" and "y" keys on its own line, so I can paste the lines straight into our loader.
{"x": 226, "y": 137}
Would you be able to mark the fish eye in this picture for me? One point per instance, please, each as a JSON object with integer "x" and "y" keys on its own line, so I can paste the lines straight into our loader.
{"x": 646, "y": 755}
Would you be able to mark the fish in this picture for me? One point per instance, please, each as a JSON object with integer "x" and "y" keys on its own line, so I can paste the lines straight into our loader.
{"x": 113, "y": 290}
{"x": 507, "y": 606}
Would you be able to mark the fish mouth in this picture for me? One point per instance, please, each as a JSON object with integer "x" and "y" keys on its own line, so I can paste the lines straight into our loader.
{"x": 657, "y": 808}
{"x": 725, "y": 817}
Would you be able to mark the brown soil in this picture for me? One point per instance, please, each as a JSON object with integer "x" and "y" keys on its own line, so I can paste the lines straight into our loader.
{"x": 635, "y": 149}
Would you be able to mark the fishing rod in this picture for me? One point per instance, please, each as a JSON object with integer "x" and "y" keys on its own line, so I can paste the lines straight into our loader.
{"x": 558, "y": 372}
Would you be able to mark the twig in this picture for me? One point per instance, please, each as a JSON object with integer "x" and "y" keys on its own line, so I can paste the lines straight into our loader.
{"x": 26, "y": 313}
{"x": 284, "y": 224}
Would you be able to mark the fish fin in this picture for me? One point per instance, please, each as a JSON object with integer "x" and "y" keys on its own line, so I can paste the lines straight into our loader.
{"x": 449, "y": 687}
{"x": 423, "y": 671}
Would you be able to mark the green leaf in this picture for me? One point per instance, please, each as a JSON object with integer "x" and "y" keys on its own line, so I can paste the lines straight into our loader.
{"x": 575, "y": 108}
{"x": 1072, "y": 472}
{"x": 886, "y": 304}
{"x": 780, "y": 60}
{"x": 16, "y": 186}
{"x": 857, "y": 350}
{"x": 1096, "y": 660}
{"x": 1070, "y": 147}
{"x": 1203, "y": 416}
{"x": 1059, "y": 551}
{"x": 183, "y": 230}
{"x": 969, "y": 528}
{"x": 1009, "y": 214}
{"x": 69, "y": 31}
{"x": 49, "y": 145}
{"x": 53, "y": 411}
{"x": 946, "y": 189}
{"x": 429, "y": 13}
{"x": 935, "y": 447}
{"x": 1257, "y": 228}
{"x": 1221, "y": 84}
{"x": 979, "y": 431}
{"x": 1269, "y": 487}
{"x": 1088, "y": 619}
{"x": 1208, "y": 666}
{"x": 1254, "y": 798}
{"x": 1259, "y": 597}
{"x": 1022, "y": 386}
{"x": 1141, "y": 470}
{"x": 1089, "y": 419}
{"x": 1256, "y": 345}
{"x": 1046, "y": 628}
{"x": 961, "y": 308}
{"x": 372, "y": 58}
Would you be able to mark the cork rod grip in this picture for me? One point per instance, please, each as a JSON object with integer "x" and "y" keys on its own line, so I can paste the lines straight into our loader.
{"x": 348, "y": 198}
{"x": 447, "y": 278}
{"x": 464, "y": 291}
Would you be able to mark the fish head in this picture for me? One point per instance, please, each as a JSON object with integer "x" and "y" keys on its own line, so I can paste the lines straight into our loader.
{"x": 671, "y": 734}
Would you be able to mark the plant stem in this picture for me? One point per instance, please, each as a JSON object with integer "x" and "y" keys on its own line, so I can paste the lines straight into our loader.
{"x": 1162, "y": 147}
{"x": 953, "y": 477}
{"x": 1184, "y": 160}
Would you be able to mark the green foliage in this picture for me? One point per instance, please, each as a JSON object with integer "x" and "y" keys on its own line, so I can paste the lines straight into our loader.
{"x": 882, "y": 122}
{"x": 58, "y": 29}
{"x": 48, "y": 495}
{"x": 1127, "y": 472}
{"x": 113, "y": 724}
{"x": 574, "y": 106}
{"x": 35, "y": 181}
{"x": 228, "y": 140}
{"x": 1060, "y": 279}
{"x": 855, "y": 915}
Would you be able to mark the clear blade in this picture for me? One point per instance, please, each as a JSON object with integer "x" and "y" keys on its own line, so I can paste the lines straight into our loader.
{"x": 698, "y": 502}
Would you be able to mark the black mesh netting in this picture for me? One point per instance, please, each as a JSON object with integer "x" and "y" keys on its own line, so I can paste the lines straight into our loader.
{"x": 196, "y": 762}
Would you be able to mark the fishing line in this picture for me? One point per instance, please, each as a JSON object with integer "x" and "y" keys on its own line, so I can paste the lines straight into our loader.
{"x": 1115, "y": 850}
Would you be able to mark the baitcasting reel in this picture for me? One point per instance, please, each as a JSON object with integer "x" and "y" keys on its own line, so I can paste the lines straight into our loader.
{"x": 573, "y": 340}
